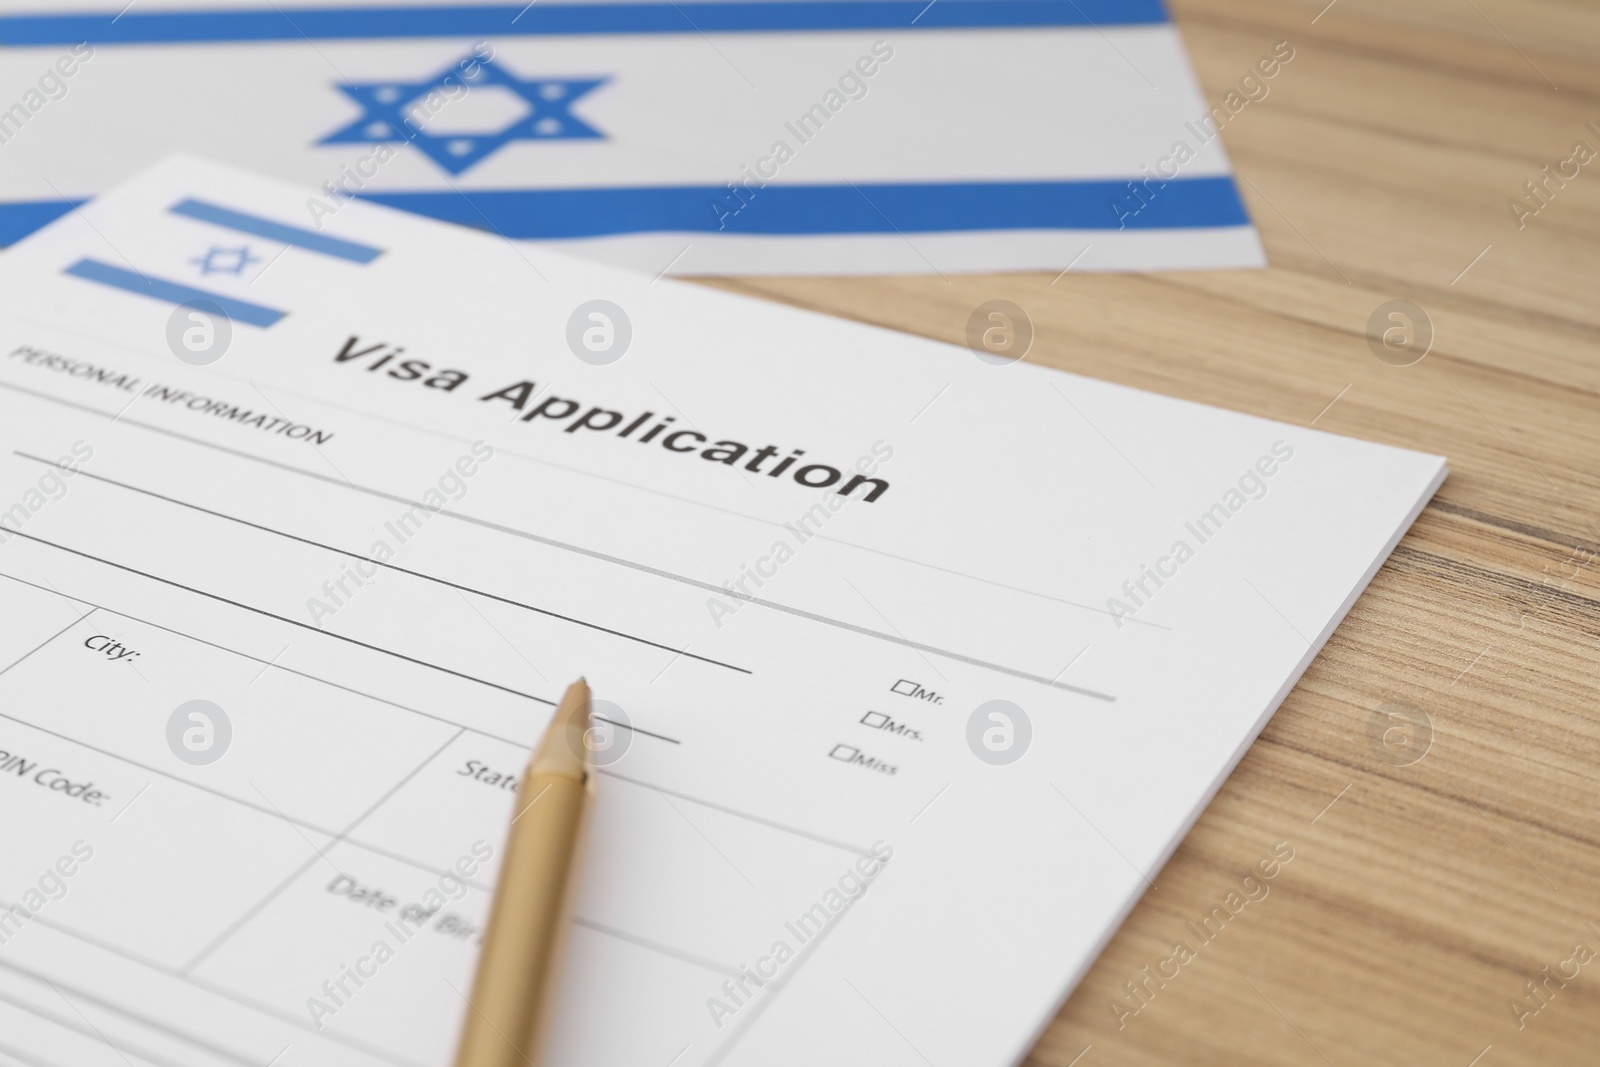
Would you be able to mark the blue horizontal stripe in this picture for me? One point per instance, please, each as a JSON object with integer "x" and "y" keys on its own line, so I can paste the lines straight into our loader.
{"x": 172, "y": 292}
{"x": 276, "y": 231}
{"x": 541, "y": 19}
{"x": 20, "y": 219}
{"x": 1183, "y": 203}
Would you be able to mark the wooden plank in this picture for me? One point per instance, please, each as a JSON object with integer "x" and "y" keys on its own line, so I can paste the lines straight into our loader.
{"x": 1420, "y": 902}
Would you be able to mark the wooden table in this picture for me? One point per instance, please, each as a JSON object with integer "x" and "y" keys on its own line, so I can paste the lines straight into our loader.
{"x": 1423, "y": 895}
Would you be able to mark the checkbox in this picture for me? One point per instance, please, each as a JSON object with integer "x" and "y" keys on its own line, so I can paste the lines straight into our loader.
{"x": 875, "y": 719}
{"x": 905, "y": 687}
{"x": 846, "y": 753}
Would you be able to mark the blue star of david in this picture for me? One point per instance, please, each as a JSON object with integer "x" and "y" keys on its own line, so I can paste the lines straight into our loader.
{"x": 225, "y": 260}
{"x": 549, "y": 116}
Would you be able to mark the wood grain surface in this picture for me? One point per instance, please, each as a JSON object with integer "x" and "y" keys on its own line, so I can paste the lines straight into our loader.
{"x": 1423, "y": 896}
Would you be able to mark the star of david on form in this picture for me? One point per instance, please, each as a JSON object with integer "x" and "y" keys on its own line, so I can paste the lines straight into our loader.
{"x": 549, "y": 116}
{"x": 225, "y": 260}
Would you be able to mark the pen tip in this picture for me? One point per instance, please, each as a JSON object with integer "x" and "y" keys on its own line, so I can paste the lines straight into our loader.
{"x": 563, "y": 751}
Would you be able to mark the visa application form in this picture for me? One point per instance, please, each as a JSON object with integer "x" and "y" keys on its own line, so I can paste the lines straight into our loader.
{"x": 915, "y": 667}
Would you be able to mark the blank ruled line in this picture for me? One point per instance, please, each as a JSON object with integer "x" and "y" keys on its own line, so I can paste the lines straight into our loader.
{"x": 280, "y": 618}
{"x": 387, "y": 566}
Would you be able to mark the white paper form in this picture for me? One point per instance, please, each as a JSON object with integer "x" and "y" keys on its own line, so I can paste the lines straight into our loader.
{"x": 816, "y": 840}
{"x": 690, "y": 136}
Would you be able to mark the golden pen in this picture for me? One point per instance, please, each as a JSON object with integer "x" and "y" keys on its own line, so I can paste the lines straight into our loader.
{"x": 508, "y": 1015}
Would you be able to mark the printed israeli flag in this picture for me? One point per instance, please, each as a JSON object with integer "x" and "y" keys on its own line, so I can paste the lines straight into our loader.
{"x": 690, "y": 137}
